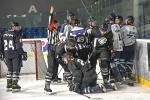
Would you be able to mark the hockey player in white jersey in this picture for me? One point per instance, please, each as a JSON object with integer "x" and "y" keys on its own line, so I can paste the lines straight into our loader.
{"x": 129, "y": 32}
{"x": 67, "y": 26}
{"x": 117, "y": 50}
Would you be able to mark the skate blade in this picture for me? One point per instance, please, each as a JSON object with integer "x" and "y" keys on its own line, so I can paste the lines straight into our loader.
{"x": 48, "y": 93}
{"x": 16, "y": 90}
{"x": 9, "y": 89}
{"x": 114, "y": 87}
{"x": 104, "y": 90}
{"x": 130, "y": 84}
{"x": 56, "y": 82}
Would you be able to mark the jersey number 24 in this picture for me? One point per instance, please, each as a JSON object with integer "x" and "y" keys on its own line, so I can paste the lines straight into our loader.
{"x": 8, "y": 44}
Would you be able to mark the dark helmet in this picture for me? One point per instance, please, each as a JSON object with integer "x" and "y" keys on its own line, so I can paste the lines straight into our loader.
{"x": 130, "y": 20}
{"x": 71, "y": 15}
{"x": 111, "y": 17}
{"x": 67, "y": 55}
{"x": 91, "y": 20}
{"x": 77, "y": 22}
{"x": 70, "y": 42}
{"x": 14, "y": 24}
{"x": 106, "y": 19}
{"x": 119, "y": 17}
{"x": 104, "y": 26}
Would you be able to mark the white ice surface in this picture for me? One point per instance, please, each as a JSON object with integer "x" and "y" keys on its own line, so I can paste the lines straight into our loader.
{"x": 33, "y": 90}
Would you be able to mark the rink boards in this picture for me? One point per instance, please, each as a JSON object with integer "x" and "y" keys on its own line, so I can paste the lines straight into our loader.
{"x": 142, "y": 62}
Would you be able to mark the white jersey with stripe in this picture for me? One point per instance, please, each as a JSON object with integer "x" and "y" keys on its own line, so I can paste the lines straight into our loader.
{"x": 128, "y": 33}
{"x": 117, "y": 38}
{"x": 77, "y": 31}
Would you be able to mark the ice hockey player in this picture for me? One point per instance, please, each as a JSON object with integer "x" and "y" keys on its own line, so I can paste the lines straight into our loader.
{"x": 84, "y": 77}
{"x": 78, "y": 34}
{"x": 117, "y": 49}
{"x": 67, "y": 26}
{"x": 119, "y": 20}
{"x": 129, "y": 33}
{"x": 20, "y": 35}
{"x": 53, "y": 39}
{"x": 92, "y": 32}
{"x": 102, "y": 50}
{"x": 111, "y": 20}
{"x": 11, "y": 49}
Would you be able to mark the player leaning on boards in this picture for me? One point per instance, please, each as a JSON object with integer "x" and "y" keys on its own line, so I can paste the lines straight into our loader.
{"x": 10, "y": 50}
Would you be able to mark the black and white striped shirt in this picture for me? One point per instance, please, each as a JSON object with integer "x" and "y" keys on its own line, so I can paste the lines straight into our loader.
{"x": 53, "y": 37}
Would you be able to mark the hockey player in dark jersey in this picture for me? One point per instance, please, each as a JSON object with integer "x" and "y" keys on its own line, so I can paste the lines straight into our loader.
{"x": 11, "y": 48}
{"x": 78, "y": 34}
{"x": 102, "y": 50}
{"x": 19, "y": 35}
{"x": 92, "y": 32}
{"x": 80, "y": 73}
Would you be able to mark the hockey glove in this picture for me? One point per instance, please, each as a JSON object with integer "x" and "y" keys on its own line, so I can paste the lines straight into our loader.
{"x": 1, "y": 57}
{"x": 24, "y": 56}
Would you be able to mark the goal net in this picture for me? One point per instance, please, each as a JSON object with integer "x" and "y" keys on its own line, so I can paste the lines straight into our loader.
{"x": 35, "y": 63}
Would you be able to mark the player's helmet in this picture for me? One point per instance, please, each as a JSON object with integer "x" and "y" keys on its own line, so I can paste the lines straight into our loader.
{"x": 104, "y": 27}
{"x": 119, "y": 17}
{"x": 12, "y": 24}
{"x": 77, "y": 22}
{"x": 111, "y": 17}
{"x": 91, "y": 19}
{"x": 71, "y": 15}
{"x": 130, "y": 20}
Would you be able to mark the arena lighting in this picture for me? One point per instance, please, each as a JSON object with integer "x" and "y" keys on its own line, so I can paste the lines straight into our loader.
{"x": 24, "y": 15}
{"x": 8, "y": 16}
{"x": 14, "y": 15}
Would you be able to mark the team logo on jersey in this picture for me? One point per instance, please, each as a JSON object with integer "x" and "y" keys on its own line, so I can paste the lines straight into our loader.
{"x": 102, "y": 40}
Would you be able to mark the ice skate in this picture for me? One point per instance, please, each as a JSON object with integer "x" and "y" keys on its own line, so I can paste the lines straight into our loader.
{"x": 9, "y": 85}
{"x": 109, "y": 85}
{"x": 47, "y": 88}
{"x": 129, "y": 82}
{"x": 15, "y": 86}
{"x": 57, "y": 80}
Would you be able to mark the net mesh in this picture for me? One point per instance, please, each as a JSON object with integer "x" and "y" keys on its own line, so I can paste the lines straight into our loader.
{"x": 35, "y": 63}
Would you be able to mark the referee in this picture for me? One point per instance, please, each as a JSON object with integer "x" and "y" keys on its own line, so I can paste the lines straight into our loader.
{"x": 53, "y": 38}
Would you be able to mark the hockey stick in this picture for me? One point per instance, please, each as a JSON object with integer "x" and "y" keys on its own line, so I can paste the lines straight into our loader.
{"x": 89, "y": 96}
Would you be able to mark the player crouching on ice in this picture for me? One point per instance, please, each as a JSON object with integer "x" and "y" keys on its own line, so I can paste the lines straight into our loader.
{"x": 84, "y": 77}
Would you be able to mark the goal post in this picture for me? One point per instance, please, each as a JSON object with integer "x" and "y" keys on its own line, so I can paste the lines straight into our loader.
{"x": 35, "y": 61}
{"x": 35, "y": 64}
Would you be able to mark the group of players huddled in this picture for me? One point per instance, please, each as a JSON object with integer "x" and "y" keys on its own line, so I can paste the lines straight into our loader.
{"x": 78, "y": 49}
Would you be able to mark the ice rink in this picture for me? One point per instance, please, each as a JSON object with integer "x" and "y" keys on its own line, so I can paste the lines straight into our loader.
{"x": 33, "y": 90}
